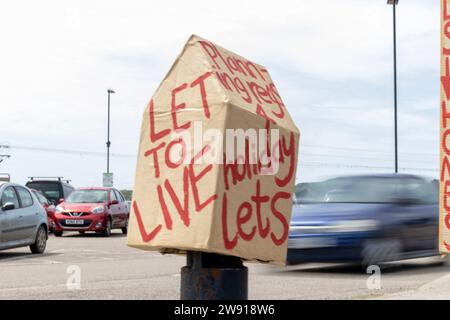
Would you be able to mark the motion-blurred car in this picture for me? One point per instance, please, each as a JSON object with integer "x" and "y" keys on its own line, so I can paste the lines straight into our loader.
{"x": 23, "y": 221}
{"x": 48, "y": 207}
{"x": 92, "y": 209}
{"x": 55, "y": 189}
{"x": 369, "y": 219}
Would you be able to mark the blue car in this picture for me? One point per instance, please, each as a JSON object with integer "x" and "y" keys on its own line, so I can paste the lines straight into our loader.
{"x": 368, "y": 219}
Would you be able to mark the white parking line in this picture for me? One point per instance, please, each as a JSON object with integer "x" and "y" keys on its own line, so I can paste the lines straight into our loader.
{"x": 29, "y": 263}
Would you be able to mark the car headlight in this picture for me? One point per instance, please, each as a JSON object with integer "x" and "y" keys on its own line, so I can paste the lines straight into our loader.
{"x": 59, "y": 209}
{"x": 355, "y": 225}
{"x": 98, "y": 210}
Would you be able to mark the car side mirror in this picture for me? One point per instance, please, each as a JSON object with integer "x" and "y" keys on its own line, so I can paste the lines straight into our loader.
{"x": 8, "y": 206}
{"x": 114, "y": 202}
{"x": 61, "y": 200}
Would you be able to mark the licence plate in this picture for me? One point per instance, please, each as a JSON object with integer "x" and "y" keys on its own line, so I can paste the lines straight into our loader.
{"x": 75, "y": 222}
{"x": 308, "y": 243}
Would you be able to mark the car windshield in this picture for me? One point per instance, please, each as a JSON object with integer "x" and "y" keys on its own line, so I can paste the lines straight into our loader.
{"x": 367, "y": 190}
{"x": 51, "y": 190}
{"x": 40, "y": 197}
{"x": 88, "y": 196}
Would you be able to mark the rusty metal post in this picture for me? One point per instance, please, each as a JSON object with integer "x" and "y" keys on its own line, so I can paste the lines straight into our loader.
{"x": 210, "y": 276}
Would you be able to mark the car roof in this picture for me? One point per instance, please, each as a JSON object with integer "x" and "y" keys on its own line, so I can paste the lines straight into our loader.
{"x": 11, "y": 184}
{"x": 95, "y": 188}
{"x": 49, "y": 180}
{"x": 384, "y": 175}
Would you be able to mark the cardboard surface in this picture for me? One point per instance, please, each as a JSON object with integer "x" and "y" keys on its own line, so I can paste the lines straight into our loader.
{"x": 200, "y": 184}
{"x": 444, "y": 206}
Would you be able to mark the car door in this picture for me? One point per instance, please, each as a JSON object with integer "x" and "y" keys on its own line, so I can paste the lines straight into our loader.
{"x": 123, "y": 209}
{"x": 10, "y": 219}
{"x": 419, "y": 215}
{"x": 114, "y": 208}
{"x": 28, "y": 213}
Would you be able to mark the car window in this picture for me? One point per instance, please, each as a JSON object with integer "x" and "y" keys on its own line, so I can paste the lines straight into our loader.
{"x": 88, "y": 196}
{"x": 9, "y": 195}
{"x": 26, "y": 199}
{"x": 67, "y": 190}
{"x": 112, "y": 194}
{"x": 51, "y": 189}
{"x": 367, "y": 190}
{"x": 119, "y": 196}
{"x": 41, "y": 198}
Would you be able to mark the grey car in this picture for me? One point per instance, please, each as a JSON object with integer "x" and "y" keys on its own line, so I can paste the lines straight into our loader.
{"x": 23, "y": 220}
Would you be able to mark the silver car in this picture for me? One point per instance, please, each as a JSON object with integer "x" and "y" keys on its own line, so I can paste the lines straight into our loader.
{"x": 23, "y": 220}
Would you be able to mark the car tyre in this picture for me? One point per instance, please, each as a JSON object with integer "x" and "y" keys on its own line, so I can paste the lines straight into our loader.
{"x": 57, "y": 233}
{"x": 125, "y": 229}
{"x": 107, "y": 231}
{"x": 379, "y": 252}
{"x": 38, "y": 247}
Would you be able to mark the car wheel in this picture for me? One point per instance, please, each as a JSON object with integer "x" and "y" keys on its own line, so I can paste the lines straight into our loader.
{"x": 40, "y": 243}
{"x": 57, "y": 233}
{"x": 379, "y": 252}
{"x": 107, "y": 231}
{"x": 125, "y": 229}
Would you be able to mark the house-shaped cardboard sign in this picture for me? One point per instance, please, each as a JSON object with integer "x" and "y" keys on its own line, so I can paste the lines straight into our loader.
{"x": 217, "y": 160}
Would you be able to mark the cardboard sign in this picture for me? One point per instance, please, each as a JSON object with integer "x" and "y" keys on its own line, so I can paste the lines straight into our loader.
{"x": 444, "y": 206}
{"x": 217, "y": 160}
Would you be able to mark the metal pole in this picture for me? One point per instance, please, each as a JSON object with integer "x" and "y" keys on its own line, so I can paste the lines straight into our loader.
{"x": 210, "y": 276}
{"x": 395, "y": 88}
{"x": 108, "y": 143}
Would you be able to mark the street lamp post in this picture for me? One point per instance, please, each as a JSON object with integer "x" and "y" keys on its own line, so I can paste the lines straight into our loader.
{"x": 394, "y": 4}
{"x": 108, "y": 142}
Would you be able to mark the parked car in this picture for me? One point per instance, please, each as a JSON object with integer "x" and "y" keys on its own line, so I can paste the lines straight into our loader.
{"x": 55, "y": 189}
{"x": 48, "y": 207}
{"x": 369, "y": 219}
{"x": 23, "y": 221}
{"x": 92, "y": 209}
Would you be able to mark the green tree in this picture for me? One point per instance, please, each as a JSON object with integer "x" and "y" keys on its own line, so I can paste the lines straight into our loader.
{"x": 128, "y": 194}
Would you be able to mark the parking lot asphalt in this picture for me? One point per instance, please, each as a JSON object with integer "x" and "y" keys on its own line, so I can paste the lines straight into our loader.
{"x": 107, "y": 269}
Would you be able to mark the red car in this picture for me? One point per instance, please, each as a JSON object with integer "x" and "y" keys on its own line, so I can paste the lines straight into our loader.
{"x": 49, "y": 208}
{"x": 92, "y": 209}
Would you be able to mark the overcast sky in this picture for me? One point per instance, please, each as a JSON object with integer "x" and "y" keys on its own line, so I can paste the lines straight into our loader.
{"x": 331, "y": 61}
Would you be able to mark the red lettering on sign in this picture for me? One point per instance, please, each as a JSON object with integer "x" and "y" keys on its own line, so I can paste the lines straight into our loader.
{"x": 243, "y": 219}
{"x": 168, "y": 152}
{"x": 195, "y": 179}
{"x": 445, "y": 168}
{"x": 446, "y": 195}
{"x": 166, "y": 214}
{"x": 260, "y": 111}
{"x": 177, "y": 107}
{"x": 259, "y": 199}
{"x": 200, "y": 81}
{"x": 280, "y": 240}
{"x": 229, "y": 244}
{"x": 183, "y": 211}
{"x": 290, "y": 152}
{"x": 445, "y": 114}
{"x": 146, "y": 237}
{"x": 154, "y": 152}
{"x": 155, "y": 136}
